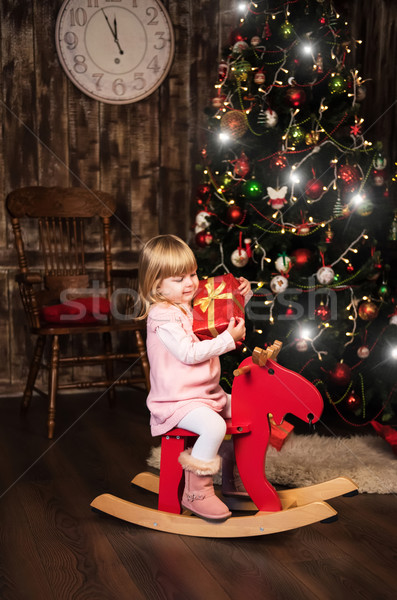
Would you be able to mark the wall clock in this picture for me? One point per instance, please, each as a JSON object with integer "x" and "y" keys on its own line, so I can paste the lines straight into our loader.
{"x": 115, "y": 51}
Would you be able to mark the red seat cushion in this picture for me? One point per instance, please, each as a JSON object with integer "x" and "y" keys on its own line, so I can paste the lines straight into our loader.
{"x": 79, "y": 310}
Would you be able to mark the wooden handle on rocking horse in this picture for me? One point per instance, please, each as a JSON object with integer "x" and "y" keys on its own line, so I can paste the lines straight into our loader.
{"x": 260, "y": 356}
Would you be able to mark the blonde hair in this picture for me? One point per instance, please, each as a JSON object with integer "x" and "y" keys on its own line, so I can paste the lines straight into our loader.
{"x": 161, "y": 257}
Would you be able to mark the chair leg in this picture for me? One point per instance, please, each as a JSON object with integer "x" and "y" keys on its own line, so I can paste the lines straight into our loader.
{"x": 143, "y": 358}
{"x": 107, "y": 340}
{"x": 53, "y": 385}
{"x": 33, "y": 372}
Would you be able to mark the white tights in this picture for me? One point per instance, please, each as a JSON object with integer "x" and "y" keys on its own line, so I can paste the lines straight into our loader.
{"x": 210, "y": 427}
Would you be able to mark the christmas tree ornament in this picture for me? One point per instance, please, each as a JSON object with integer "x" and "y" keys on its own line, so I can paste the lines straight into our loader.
{"x": 239, "y": 47}
{"x": 349, "y": 268}
{"x": 341, "y": 374}
{"x": 204, "y": 191}
{"x": 239, "y": 258}
{"x": 329, "y": 235}
{"x": 312, "y": 138}
{"x": 393, "y": 318}
{"x": 218, "y": 101}
{"x": 278, "y": 162}
{"x": 361, "y": 93}
{"x": 269, "y": 118}
{"x": 252, "y": 188}
{"x": 295, "y": 97}
{"x": 202, "y": 221}
{"x": 380, "y": 162}
{"x": 349, "y": 178}
{"x": 363, "y": 352}
{"x": 319, "y": 64}
{"x": 234, "y": 123}
{"x": 337, "y": 84}
{"x": 301, "y": 345}
{"x": 225, "y": 181}
{"x": 325, "y": 275}
{"x": 277, "y": 197}
{"x": 222, "y": 71}
{"x": 365, "y": 208}
{"x": 235, "y": 214}
{"x": 322, "y": 312}
{"x": 259, "y": 77}
{"x": 242, "y": 166}
{"x": 255, "y": 41}
{"x": 392, "y": 236}
{"x": 248, "y": 249}
{"x": 383, "y": 290}
{"x": 301, "y": 256}
{"x": 204, "y": 238}
{"x": 314, "y": 189}
{"x": 379, "y": 177}
{"x": 296, "y": 134}
{"x": 337, "y": 210}
{"x": 241, "y": 70}
{"x": 303, "y": 229}
{"x": 368, "y": 310}
{"x": 290, "y": 312}
{"x": 353, "y": 401}
{"x": 282, "y": 263}
{"x": 287, "y": 31}
{"x": 278, "y": 284}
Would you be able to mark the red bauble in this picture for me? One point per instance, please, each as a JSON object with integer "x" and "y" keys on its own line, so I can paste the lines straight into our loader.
{"x": 203, "y": 191}
{"x": 203, "y": 239}
{"x": 368, "y": 311}
{"x": 314, "y": 189}
{"x": 341, "y": 374}
{"x": 323, "y": 312}
{"x": 349, "y": 178}
{"x": 301, "y": 256}
{"x": 295, "y": 97}
{"x": 353, "y": 401}
{"x": 234, "y": 214}
{"x": 242, "y": 166}
{"x": 278, "y": 162}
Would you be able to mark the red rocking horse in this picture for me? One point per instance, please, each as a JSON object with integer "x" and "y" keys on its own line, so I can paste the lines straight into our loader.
{"x": 261, "y": 388}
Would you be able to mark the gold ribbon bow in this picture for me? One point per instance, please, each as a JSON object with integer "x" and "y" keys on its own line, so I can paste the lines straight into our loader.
{"x": 213, "y": 294}
{"x": 208, "y": 302}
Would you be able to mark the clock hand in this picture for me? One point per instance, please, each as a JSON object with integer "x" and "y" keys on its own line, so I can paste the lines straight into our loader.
{"x": 114, "y": 34}
{"x": 116, "y": 39}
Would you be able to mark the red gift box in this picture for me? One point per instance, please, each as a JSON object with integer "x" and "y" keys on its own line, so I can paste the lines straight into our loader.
{"x": 279, "y": 433}
{"x": 216, "y": 302}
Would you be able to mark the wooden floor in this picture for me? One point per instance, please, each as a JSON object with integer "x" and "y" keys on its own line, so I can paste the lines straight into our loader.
{"x": 53, "y": 547}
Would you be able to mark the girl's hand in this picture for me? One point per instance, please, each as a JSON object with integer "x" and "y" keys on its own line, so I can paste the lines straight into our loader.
{"x": 236, "y": 328}
{"x": 245, "y": 287}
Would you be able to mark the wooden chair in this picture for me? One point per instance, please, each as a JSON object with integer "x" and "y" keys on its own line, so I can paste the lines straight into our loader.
{"x": 65, "y": 296}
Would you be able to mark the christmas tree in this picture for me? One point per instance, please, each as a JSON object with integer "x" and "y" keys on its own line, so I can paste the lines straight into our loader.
{"x": 296, "y": 199}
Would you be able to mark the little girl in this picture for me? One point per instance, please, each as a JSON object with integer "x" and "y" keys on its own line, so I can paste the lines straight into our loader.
{"x": 184, "y": 371}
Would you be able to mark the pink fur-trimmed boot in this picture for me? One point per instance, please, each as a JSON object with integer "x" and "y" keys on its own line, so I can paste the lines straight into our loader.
{"x": 198, "y": 495}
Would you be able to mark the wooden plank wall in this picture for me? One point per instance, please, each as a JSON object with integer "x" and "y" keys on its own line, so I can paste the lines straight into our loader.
{"x": 144, "y": 153}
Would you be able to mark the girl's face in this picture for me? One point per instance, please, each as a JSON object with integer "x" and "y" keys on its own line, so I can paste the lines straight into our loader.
{"x": 180, "y": 289}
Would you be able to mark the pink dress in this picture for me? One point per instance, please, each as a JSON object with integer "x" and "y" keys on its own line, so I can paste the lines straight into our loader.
{"x": 184, "y": 371}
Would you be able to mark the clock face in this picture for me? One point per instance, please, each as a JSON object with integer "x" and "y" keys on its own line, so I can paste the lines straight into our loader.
{"x": 116, "y": 51}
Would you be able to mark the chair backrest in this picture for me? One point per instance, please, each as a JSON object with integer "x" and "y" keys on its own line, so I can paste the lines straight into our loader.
{"x": 61, "y": 217}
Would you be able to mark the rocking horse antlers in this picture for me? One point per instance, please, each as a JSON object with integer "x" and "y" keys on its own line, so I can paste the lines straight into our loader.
{"x": 260, "y": 357}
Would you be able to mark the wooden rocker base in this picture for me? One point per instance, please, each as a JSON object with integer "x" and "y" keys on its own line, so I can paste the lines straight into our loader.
{"x": 340, "y": 486}
{"x": 262, "y": 523}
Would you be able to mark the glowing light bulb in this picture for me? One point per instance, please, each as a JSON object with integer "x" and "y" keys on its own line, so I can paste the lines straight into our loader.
{"x": 224, "y": 137}
{"x": 307, "y": 49}
{"x": 394, "y": 353}
{"x": 305, "y": 334}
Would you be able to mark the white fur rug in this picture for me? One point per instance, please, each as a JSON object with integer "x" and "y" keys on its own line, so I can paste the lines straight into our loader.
{"x": 305, "y": 460}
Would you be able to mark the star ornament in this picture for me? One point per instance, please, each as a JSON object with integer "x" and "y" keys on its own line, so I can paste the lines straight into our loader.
{"x": 355, "y": 129}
